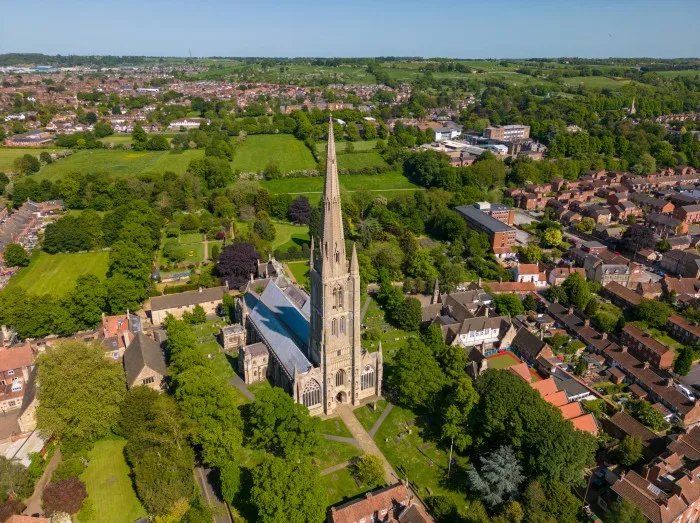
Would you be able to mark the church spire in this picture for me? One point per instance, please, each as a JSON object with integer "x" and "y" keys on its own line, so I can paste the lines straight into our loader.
{"x": 333, "y": 259}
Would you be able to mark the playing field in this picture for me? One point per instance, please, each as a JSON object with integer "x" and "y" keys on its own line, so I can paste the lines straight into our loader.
{"x": 119, "y": 163}
{"x": 57, "y": 273}
{"x": 109, "y": 486}
{"x": 8, "y": 155}
{"x": 256, "y": 152}
{"x": 502, "y": 360}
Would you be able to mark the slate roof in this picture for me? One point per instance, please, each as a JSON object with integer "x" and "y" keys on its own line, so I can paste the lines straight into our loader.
{"x": 483, "y": 219}
{"x": 529, "y": 345}
{"x": 185, "y": 299}
{"x": 143, "y": 352}
{"x": 283, "y": 327}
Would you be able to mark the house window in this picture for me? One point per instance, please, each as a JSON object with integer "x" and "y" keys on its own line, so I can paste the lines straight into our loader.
{"x": 11, "y": 403}
{"x": 149, "y": 380}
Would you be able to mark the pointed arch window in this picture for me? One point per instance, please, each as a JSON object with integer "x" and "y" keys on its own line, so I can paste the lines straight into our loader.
{"x": 335, "y": 297}
{"x": 337, "y": 256}
{"x": 334, "y": 326}
{"x": 311, "y": 395}
{"x": 367, "y": 378}
{"x": 339, "y": 378}
{"x": 342, "y": 325}
{"x": 341, "y": 296}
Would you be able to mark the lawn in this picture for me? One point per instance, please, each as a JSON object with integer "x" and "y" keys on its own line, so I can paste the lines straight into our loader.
{"x": 335, "y": 427}
{"x": 109, "y": 486}
{"x": 361, "y": 160}
{"x": 256, "y": 152}
{"x": 300, "y": 270}
{"x": 599, "y": 82}
{"x": 330, "y": 453}
{"x": 119, "y": 163}
{"x": 341, "y": 487}
{"x": 57, "y": 273}
{"x": 368, "y": 416}
{"x": 8, "y": 155}
{"x": 502, "y": 361}
{"x": 190, "y": 247}
{"x": 392, "y": 338}
{"x": 340, "y": 146}
{"x": 286, "y": 234}
{"x": 208, "y": 345}
{"x": 416, "y": 459}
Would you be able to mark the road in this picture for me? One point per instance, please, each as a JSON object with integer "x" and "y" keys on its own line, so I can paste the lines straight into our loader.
{"x": 206, "y": 479}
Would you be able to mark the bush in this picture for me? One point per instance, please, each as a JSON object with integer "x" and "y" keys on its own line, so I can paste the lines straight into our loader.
{"x": 368, "y": 469}
{"x": 70, "y": 468}
{"x": 64, "y": 496}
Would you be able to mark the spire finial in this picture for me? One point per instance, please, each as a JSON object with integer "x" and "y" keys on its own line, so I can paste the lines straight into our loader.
{"x": 354, "y": 264}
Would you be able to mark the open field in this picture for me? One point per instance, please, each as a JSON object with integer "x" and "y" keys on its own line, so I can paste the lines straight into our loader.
{"x": 362, "y": 145}
{"x": 109, "y": 484}
{"x": 690, "y": 72}
{"x": 360, "y": 160}
{"x": 119, "y": 163}
{"x": 257, "y": 151}
{"x": 390, "y": 181}
{"x": 599, "y": 82}
{"x": 416, "y": 459}
{"x": 57, "y": 273}
{"x": 8, "y": 155}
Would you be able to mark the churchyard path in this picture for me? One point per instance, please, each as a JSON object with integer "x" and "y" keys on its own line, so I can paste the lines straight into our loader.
{"x": 341, "y": 439}
{"x": 365, "y": 441}
{"x": 34, "y": 503}
{"x": 237, "y": 382}
{"x": 335, "y": 468}
{"x": 380, "y": 419}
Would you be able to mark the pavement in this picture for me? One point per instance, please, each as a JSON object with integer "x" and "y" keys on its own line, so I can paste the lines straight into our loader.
{"x": 238, "y": 382}
{"x": 692, "y": 378}
{"x": 365, "y": 441}
{"x": 34, "y": 502}
{"x": 335, "y": 468}
{"x": 8, "y": 424}
{"x": 206, "y": 479}
{"x": 381, "y": 419}
{"x": 341, "y": 439}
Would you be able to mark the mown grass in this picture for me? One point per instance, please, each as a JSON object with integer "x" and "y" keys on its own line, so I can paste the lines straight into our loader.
{"x": 109, "y": 485}
{"x": 119, "y": 163}
{"x": 300, "y": 271}
{"x": 368, "y": 416}
{"x": 335, "y": 427}
{"x": 56, "y": 274}
{"x": 361, "y": 160}
{"x": 256, "y": 152}
{"x": 599, "y": 82}
{"x": 390, "y": 181}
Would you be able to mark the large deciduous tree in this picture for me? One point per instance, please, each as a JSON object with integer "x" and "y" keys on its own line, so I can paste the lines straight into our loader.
{"x": 63, "y": 496}
{"x": 288, "y": 490}
{"x": 237, "y": 262}
{"x": 417, "y": 377}
{"x": 281, "y": 426}
{"x": 300, "y": 210}
{"x": 80, "y": 392}
{"x": 16, "y": 256}
{"x": 577, "y": 291}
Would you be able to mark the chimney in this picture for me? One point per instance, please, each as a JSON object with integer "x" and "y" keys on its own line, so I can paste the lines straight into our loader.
{"x": 669, "y": 381}
{"x": 200, "y": 288}
{"x": 571, "y": 310}
{"x": 645, "y": 365}
{"x": 586, "y": 322}
{"x": 624, "y": 348}
{"x": 604, "y": 336}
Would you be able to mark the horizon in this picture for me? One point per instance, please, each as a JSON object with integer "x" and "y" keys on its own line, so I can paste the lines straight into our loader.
{"x": 503, "y": 28}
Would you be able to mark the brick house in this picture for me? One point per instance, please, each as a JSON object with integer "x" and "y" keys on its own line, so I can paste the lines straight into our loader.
{"x": 645, "y": 348}
{"x": 15, "y": 367}
{"x": 682, "y": 329}
{"x": 177, "y": 304}
{"x": 394, "y": 503}
{"x": 688, "y": 213}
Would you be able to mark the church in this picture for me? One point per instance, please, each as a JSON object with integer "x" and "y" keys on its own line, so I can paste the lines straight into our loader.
{"x": 310, "y": 344}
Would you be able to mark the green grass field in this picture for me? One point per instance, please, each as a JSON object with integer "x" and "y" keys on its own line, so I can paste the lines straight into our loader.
{"x": 109, "y": 485}
{"x": 341, "y": 487}
{"x": 390, "y": 181}
{"x": 362, "y": 145}
{"x": 57, "y": 273}
{"x": 8, "y": 155}
{"x": 330, "y": 453}
{"x": 414, "y": 458}
{"x": 360, "y": 160}
{"x": 335, "y": 427}
{"x": 367, "y": 416}
{"x": 300, "y": 270}
{"x": 119, "y": 163}
{"x": 256, "y": 152}
{"x": 502, "y": 361}
{"x": 598, "y": 82}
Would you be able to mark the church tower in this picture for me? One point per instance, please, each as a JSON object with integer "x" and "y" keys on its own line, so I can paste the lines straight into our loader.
{"x": 334, "y": 336}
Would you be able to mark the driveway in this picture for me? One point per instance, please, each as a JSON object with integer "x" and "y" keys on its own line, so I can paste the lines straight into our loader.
{"x": 693, "y": 377}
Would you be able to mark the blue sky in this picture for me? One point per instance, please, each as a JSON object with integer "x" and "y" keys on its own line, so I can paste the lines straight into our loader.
{"x": 460, "y": 28}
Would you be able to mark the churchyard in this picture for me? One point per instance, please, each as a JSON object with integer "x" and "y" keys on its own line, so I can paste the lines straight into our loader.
{"x": 376, "y": 328}
{"x": 57, "y": 273}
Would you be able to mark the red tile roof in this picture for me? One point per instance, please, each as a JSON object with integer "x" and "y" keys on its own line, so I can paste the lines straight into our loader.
{"x": 16, "y": 357}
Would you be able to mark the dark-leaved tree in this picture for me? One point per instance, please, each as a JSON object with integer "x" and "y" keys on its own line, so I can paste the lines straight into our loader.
{"x": 300, "y": 210}
{"x": 236, "y": 263}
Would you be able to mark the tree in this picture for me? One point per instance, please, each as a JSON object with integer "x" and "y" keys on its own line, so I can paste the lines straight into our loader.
{"x": 263, "y": 227}
{"x": 529, "y": 303}
{"x": 287, "y": 491}
{"x": 230, "y": 479}
{"x": 27, "y": 164}
{"x": 199, "y": 315}
{"x": 87, "y": 301}
{"x": 417, "y": 378}
{"x": 580, "y": 367}
{"x": 647, "y": 415}
{"x": 15, "y": 479}
{"x": 532, "y": 254}
{"x": 638, "y": 237}
{"x": 80, "y": 391}
{"x": 369, "y": 470}
{"x": 629, "y": 451}
{"x": 508, "y": 304}
{"x": 63, "y": 496}
{"x": 499, "y": 477}
{"x": 407, "y": 315}
{"x": 577, "y": 291}
{"x": 654, "y": 313}
{"x": 10, "y": 508}
{"x": 281, "y": 426}
{"x": 300, "y": 210}
{"x": 556, "y": 294}
{"x": 16, "y": 256}
{"x": 158, "y": 143}
{"x": 460, "y": 402}
{"x": 684, "y": 361}
{"x": 45, "y": 157}
{"x": 139, "y": 138}
{"x": 237, "y": 262}
{"x": 552, "y": 237}
{"x": 624, "y": 511}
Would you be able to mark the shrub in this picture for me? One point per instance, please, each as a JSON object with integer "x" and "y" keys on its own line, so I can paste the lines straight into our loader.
{"x": 70, "y": 468}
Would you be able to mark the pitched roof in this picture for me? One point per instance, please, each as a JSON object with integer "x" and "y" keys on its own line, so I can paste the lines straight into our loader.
{"x": 511, "y": 286}
{"x": 384, "y": 501}
{"x": 545, "y": 387}
{"x": 16, "y": 357}
{"x": 622, "y": 292}
{"x": 529, "y": 345}
{"x": 188, "y": 298}
{"x": 646, "y": 339}
{"x": 586, "y": 423}
{"x": 141, "y": 353}
{"x": 654, "y": 503}
{"x": 632, "y": 427}
{"x": 557, "y": 399}
{"x": 522, "y": 370}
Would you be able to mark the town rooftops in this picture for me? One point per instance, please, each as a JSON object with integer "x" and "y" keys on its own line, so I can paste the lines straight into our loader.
{"x": 188, "y": 298}
{"x": 622, "y": 292}
{"x": 631, "y": 427}
{"x": 511, "y": 286}
{"x": 141, "y": 353}
{"x": 655, "y": 504}
{"x": 488, "y": 222}
{"x": 383, "y": 505}
{"x": 16, "y": 357}
{"x": 646, "y": 339}
{"x": 684, "y": 324}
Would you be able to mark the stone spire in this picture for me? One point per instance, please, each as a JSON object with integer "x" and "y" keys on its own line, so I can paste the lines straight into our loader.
{"x": 354, "y": 264}
{"x": 334, "y": 260}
